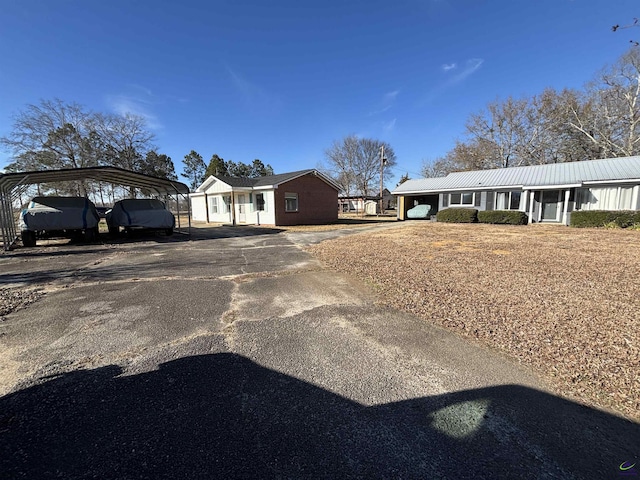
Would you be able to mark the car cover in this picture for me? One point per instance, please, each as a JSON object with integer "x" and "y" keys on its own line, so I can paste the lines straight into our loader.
{"x": 419, "y": 211}
{"x": 140, "y": 212}
{"x": 59, "y": 213}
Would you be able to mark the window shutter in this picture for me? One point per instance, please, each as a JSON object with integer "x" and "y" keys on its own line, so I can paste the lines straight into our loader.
{"x": 477, "y": 199}
{"x": 445, "y": 199}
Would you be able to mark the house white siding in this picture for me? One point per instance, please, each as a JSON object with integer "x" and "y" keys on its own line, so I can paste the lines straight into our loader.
{"x": 245, "y": 203}
{"x": 219, "y": 206}
{"x": 260, "y": 217}
{"x": 198, "y": 207}
{"x": 618, "y": 197}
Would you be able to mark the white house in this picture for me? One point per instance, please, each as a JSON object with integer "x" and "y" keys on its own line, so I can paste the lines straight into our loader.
{"x": 295, "y": 198}
{"x": 547, "y": 193}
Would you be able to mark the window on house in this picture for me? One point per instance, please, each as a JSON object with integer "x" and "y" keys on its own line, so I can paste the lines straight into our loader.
{"x": 457, "y": 199}
{"x": 227, "y": 203}
{"x": 213, "y": 205}
{"x": 290, "y": 202}
{"x": 514, "y": 201}
{"x": 508, "y": 200}
{"x": 260, "y": 203}
{"x": 490, "y": 199}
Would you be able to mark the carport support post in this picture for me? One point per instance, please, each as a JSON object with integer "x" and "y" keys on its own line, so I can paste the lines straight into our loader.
{"x": 531, "y": 200}
{"x": 565, "y": 210}
{"x": 233, "y": 208}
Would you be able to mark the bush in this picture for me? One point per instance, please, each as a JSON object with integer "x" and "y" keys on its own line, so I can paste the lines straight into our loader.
{"x": 604, "y": 218}
{"x": 504, "y": 217}
{"x": 457, "y": 215}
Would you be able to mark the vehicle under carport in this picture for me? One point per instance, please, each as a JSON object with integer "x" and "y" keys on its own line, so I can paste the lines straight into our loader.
{"x": 13, "y": 185}
{"x": 407, "y": 202}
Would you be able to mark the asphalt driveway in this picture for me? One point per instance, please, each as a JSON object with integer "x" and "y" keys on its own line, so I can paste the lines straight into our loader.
{"x": 235, "y": 354}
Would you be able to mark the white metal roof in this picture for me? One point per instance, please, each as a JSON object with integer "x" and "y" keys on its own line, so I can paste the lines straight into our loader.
{"x": 555, "y": 174}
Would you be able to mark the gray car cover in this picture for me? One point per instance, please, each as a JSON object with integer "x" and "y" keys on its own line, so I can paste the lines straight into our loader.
{"x": 59, "y": 213}
{"x": 140, "y": 212}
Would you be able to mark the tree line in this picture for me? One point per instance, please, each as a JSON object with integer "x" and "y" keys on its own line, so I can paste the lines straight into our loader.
{"x": 600, "y": 121}
{"x": 57, "y": 135}
{"x": 54, "y": 135}
{"x": 196, "y": 171}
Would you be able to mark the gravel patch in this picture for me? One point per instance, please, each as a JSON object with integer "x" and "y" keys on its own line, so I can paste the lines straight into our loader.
{"x": 563, "y": 301}
{"x": 11, "y": 299}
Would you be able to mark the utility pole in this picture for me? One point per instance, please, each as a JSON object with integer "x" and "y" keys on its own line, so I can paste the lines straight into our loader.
{"x": 382, "y": 162}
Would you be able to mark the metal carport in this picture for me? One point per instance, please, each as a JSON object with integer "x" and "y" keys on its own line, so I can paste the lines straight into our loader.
{"x": 12, "y": 185}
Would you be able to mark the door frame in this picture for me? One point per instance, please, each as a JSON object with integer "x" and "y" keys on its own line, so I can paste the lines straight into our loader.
{"x": 558, "y": 202}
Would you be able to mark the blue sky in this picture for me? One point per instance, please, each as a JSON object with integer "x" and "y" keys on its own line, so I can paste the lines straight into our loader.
{"x": 281, "y": 80}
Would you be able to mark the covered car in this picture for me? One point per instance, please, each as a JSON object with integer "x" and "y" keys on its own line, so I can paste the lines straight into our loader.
{"x": 140, "y": 213}
{"x": 419, "y": 211}
{"x": 70, "y": 217}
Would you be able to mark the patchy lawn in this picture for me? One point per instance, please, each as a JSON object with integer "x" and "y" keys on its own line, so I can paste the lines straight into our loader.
{"x": 564, "y": 301}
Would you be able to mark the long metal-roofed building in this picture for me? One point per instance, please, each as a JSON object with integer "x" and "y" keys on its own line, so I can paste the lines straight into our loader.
{"x": 547, "y": 193}
{"x": 13, "y": 185}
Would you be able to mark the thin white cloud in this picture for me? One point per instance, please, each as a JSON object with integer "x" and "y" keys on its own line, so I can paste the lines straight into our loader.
{"x": 470, "y": 67}
{"x": 389, "y": 126}
{"x": 387, "y": 102}
{"x": 462, "y": 72}
{"x": 449, "y": 66}
{"x": 123, "y": 105}
{"x": 137, "y": 100}
{"x": 140, "y": 88}
{"x": 254, "y": 96}
{"x": 391, "y": 96}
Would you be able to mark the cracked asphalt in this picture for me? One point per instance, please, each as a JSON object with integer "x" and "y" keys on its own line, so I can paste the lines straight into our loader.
{"x": 235, "y": 354}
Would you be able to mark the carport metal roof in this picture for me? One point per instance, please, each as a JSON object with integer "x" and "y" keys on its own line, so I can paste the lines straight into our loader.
{"x": 13, "y": 184}
{"x": 119, "y": 176}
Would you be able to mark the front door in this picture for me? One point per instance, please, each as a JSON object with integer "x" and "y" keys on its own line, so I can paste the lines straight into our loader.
{"x": 550, "y": 205}
{"x": 242, "y": 216}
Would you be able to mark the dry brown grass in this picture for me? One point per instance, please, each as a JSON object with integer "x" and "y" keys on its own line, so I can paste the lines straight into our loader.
{"x": 564, "y": 301}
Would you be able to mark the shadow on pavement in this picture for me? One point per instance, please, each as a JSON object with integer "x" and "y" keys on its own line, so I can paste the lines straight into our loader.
{"x": 67, "y": 247}
{"x": 224, "y": 416}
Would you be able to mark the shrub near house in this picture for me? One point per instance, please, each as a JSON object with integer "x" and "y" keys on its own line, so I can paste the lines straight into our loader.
{"x": 471, "y": 215}
{"x": 503, "y": 217}
{"x": 458, "y": 215}
{"x": 603, "y": 218}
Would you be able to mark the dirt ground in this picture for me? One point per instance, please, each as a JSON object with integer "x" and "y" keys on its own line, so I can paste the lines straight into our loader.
{"x": 563, "y": 301}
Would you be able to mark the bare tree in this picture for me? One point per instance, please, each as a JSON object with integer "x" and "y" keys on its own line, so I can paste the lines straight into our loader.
{"x": 503, "y": 132}
{"x": 355, "y": 163}
{"x": 609, "y": 114}
{"x": 125, "y": 140}
{"x": 52, "y": 134}
{"x": 342, "y": 158}
{"x": 440, "y": 167}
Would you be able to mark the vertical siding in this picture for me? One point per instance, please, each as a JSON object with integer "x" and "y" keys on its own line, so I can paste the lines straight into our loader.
{"x": 198, "y": 207}
{"x": 268, "y": 216}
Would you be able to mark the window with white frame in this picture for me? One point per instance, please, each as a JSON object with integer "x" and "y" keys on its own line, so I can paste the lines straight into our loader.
{"x": 213, "y": 205}
{"x": 261, "y": 204}
{"x": 508, "y": 200}
{"x": 466, "y": 199}
{"x": 290, "y": 202}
